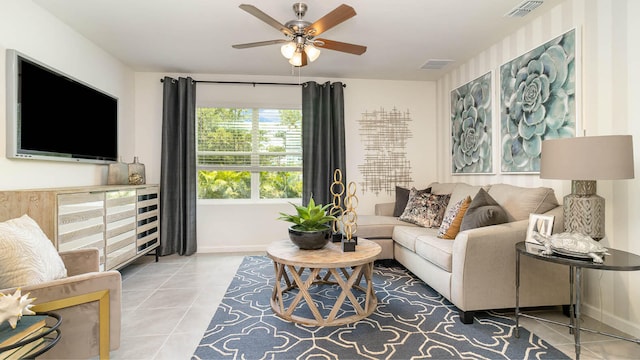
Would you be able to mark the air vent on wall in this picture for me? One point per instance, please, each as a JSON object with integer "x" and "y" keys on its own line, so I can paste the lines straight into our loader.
{"x": 436, "y": 64}
{"x": 524, "y": 8}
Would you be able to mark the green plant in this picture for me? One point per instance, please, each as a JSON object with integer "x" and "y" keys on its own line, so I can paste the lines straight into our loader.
{"x": 312, "y": 217}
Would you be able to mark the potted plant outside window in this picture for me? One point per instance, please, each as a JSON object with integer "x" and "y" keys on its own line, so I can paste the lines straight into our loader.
{"x": 311, "y": 227}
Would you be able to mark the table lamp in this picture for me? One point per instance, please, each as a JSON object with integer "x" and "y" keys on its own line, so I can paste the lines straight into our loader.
{"x": 583, "y": 160}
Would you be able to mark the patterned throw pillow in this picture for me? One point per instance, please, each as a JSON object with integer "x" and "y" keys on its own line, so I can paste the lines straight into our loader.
{"x": 425, "y": 209}
{"x": 402, "y": 198}
{"x": 27, "y": 256}
{"x": 453, "y": 218}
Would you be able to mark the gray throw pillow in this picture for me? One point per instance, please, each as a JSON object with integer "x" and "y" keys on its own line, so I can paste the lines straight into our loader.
{"x": 483, "y": 211}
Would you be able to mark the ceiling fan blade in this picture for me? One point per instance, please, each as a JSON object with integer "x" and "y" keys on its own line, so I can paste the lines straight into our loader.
{"x": 259, "y": 43}
{"x": 340, "y": 46}
{"x": 266, "y": 18}
{"x": 304, "y": 58}
{"x": 335, "y": 17}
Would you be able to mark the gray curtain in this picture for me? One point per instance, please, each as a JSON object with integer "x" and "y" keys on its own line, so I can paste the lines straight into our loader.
{"x": 323, "y": 139}
{"x": 178, "y": 168}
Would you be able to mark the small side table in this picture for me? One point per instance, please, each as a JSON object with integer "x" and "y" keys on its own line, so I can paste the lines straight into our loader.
{"x": 50, "y": 337}
{"x": 618, "y": 260}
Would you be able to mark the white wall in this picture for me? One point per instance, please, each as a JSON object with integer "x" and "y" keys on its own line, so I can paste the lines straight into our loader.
{"x": 222, "y": 226}
{"x": 610, "y": 86}
{"x": 31, "y": 30}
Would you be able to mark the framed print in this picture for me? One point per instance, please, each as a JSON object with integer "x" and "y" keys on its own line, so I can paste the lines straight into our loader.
{"x": 542, "y": 224}
{"x": 537, "y": 102}
{"x": 471, "y": 127}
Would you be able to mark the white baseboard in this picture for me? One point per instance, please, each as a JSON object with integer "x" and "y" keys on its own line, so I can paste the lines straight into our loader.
{"x": 607, "y": 318}
{"x": 232, "y": 249}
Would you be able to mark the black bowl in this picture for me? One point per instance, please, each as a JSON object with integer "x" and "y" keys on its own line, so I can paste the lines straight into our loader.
{"x": 310, "y": 240}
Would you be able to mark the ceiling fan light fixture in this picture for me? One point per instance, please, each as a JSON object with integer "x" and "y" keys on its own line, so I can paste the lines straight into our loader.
{"x": 288, "y": 49}
{"x": 312, "y": 52}
{"x": 296, "y": 59}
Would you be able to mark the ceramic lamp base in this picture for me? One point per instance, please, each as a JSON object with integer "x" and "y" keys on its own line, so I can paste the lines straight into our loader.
{"x": 584, "y": 210}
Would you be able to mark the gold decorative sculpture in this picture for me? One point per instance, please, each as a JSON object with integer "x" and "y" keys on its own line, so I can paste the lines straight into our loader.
{"x": 337, "y": 190}
{"x": 350, "y": 219}
{"x": 346, "y": 224}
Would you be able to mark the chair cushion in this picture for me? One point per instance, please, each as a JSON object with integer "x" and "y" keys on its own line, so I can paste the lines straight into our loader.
{"x": 27, "y": 256}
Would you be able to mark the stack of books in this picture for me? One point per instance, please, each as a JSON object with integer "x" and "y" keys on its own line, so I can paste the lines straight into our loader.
{"x": 28, "y": 327}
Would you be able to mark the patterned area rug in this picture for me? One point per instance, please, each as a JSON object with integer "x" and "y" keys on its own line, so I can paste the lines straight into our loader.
{"x": 411, "y": 321}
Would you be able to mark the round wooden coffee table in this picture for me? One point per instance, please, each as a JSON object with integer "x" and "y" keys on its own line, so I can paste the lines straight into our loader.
{"x": 328, "y": 266}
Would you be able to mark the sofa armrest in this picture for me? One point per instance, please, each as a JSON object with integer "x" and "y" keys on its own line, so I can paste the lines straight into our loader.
{"x": 483, "y": 266}
{"x": 385, "y": 209}
{"x": 81, "y": 261}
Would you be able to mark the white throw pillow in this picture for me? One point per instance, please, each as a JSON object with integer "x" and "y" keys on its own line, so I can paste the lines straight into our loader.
{"x": 27, "y": 256}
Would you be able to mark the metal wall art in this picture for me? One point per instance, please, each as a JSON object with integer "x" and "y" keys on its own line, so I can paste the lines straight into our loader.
{"x": 384, "y": 135}
{"x": 537, "y": 102}
{"x": 471, "y": 127}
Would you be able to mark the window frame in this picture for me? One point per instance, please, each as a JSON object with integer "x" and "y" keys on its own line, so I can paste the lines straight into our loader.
{"x": 254, "y": 169}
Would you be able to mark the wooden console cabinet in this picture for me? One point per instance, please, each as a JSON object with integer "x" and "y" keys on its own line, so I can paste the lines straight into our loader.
{"x": 122, "y": 221}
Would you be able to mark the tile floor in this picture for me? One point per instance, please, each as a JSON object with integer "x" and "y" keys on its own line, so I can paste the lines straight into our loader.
{"x": 168, "y": 305}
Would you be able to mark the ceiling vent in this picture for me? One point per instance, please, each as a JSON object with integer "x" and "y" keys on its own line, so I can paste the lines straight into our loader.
{"x": 524, "y": 8}
{"x": 436, "y": 64}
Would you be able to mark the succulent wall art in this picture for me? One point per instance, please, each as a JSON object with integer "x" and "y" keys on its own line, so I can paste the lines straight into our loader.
{"x": 384, "y": 136}
{"x": 471, "y": 127}
{"x": 537, "y": 102}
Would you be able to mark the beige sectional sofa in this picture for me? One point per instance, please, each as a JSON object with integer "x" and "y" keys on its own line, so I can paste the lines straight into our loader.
{"x": 476, "y": 270}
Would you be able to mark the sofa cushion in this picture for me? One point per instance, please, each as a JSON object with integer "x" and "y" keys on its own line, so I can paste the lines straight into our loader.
{"x": 483, "y": 211}
{"x": 27, "y": 256}
{"x": 443, "y": 188}
{"x": 453, "y": 219}
{"x": 402, "y": 197}
{"x": 377, "y": 227}
{"x": 519, "y": 202}
{"x": 437, "y": 251}
{"x": 425, "y": 209}
{"x": 461, "y": 191}
{"x": 407, "y": 235}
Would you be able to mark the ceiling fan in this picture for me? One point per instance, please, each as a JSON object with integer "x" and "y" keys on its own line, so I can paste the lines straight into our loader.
{"x": 300, "y": 45}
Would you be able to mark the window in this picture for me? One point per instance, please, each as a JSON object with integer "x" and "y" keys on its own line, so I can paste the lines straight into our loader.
{"x": 251, "y": 153}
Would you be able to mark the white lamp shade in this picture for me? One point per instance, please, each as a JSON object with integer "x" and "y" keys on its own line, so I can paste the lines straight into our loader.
{"x": 312, "y": 52}
{"x": 288, "y": 49}
{"x": 607, "y": 157}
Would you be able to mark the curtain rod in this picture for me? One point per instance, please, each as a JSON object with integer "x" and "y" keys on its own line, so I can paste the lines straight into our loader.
{"x": 253, "y": 83}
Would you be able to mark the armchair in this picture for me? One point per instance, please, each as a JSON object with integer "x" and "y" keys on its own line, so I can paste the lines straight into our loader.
{"x": 82, "y": 299}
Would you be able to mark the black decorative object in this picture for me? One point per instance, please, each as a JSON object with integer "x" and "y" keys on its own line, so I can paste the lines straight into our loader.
{"x": 312, "y": 226}
{"x": 309, "y": 240}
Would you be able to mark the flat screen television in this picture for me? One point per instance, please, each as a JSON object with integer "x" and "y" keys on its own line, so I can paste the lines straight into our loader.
{"x": 52, "y": 116}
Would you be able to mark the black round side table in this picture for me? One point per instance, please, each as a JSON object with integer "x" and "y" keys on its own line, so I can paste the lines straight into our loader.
{"x": 617, "y": 260}
{"x": 47, "y": 338}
